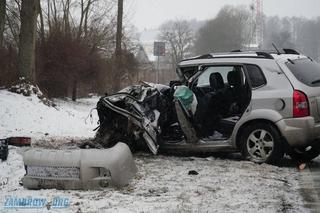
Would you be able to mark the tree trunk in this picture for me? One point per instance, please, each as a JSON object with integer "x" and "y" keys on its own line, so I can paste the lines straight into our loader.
{"x": 48, "y": 16}
{"x": 86, "y": 16}
{"x": 41, "y": 24}
{"x": 74, "y": 90}
{"x": 81, "y": 19}
{"x": 66, "y": 12}
{"x": 117, "y": 68}
{"x": 27, "y": 39}
{"x": 2, "y": 19}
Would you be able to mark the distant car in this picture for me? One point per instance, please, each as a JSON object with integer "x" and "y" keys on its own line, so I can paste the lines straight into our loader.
{"x": 262, "y": 103}
{"x": 4, "y": 151}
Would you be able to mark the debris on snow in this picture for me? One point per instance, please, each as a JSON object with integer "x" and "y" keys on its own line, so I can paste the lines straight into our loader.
{"x": 193, "y": 172}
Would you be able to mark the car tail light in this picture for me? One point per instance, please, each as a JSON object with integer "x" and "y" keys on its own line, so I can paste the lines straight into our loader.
{"x": 300, "y": 104}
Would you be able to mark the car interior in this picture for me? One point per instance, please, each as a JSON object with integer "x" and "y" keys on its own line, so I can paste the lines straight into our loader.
{"x": 223, "y": 95}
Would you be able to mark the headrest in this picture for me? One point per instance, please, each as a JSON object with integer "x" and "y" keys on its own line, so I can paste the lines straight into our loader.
{"x": 234, "y": 78}
{"x": 216, "y": 81}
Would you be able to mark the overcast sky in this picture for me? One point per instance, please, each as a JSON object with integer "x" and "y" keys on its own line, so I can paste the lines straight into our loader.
{"x": 147, "y": 14}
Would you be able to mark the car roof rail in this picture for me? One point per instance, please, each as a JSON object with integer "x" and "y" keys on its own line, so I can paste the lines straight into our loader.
{"x": 291, "y": 51}
{"x": 272, "y": 51}
{"x": 205, "y": 56}
{"x": 266, "y": 55}
{"x": 237, "y": 54}
{"x": 259, "y": 53}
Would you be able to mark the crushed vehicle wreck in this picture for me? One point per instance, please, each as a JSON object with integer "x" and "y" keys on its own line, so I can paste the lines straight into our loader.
{"x": 78, "y": 169}
{"x": 239, "y": 101}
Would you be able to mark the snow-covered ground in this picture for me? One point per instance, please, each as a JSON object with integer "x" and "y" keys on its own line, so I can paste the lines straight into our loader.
{"x": 28, "y": 116}
{"x": 162, "y": 183}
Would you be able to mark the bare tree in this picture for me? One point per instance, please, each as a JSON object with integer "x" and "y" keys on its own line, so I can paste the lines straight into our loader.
{"x": 179, "y": 36}
{"x": 84, "y": 16}
{"x": 27, "y": 39}
{"x": 41, "y": 23}
{"x": 226, "y": 32}
{"x": 13, "y": 22}
{"x": 75, "y": 45}
{"x": 2, "y": 19}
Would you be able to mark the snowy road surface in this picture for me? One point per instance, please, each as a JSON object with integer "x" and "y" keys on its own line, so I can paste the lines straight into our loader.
{"x": 162, "y": 184}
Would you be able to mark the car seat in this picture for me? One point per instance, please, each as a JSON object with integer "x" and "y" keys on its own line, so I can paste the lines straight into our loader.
{"x": 208, "y": 114}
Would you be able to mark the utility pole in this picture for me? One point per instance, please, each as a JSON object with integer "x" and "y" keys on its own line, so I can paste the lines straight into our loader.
{"x": 118, "y": 54}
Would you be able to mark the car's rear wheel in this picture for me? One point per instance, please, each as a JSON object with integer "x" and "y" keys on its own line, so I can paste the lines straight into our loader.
{"x": 261, "y": 143}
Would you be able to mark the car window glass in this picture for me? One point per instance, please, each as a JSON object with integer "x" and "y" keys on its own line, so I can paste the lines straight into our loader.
{"x": 306, "y": 71}
{"x": 256, "y": 76}
{"x": 203, "y": 79}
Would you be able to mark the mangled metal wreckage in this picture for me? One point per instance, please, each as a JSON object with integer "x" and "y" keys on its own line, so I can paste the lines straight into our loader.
{"x": 136, "y": 113}
{"x": 152, "y": 114}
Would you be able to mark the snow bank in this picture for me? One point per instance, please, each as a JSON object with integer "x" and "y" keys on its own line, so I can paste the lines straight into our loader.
{"x": 28, "y": 116}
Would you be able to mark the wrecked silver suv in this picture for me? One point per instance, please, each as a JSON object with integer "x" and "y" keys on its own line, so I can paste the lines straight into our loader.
{"x": 259, "y": 103}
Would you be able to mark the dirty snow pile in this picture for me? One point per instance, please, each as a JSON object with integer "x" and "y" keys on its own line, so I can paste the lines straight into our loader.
{"x": 30, "y": 117}
{"x": 162, "y": 184}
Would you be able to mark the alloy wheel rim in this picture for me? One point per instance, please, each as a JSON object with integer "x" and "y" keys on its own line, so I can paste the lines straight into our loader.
{"x": 260, "y": 144}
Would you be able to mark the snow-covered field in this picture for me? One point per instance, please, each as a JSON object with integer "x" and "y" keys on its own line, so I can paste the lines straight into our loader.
{"x": 162, "y": 183}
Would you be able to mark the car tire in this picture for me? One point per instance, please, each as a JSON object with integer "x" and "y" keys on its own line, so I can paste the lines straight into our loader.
{"x": 261, "y": 143}
{"x": 304, "y": 156}
{"x": 108, "y": 138}
{"x": 124, "y": 138}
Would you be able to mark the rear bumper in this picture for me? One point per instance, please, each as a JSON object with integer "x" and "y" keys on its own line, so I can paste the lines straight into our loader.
{"x": 300, "y": 132}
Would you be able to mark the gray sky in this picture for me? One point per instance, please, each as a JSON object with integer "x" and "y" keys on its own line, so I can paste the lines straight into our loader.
{"x": 146, "y": 14}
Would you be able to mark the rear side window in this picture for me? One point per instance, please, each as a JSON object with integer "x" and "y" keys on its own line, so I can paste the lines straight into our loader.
{"x": 306, "y": 71}
{"x": 256, "y": 76}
